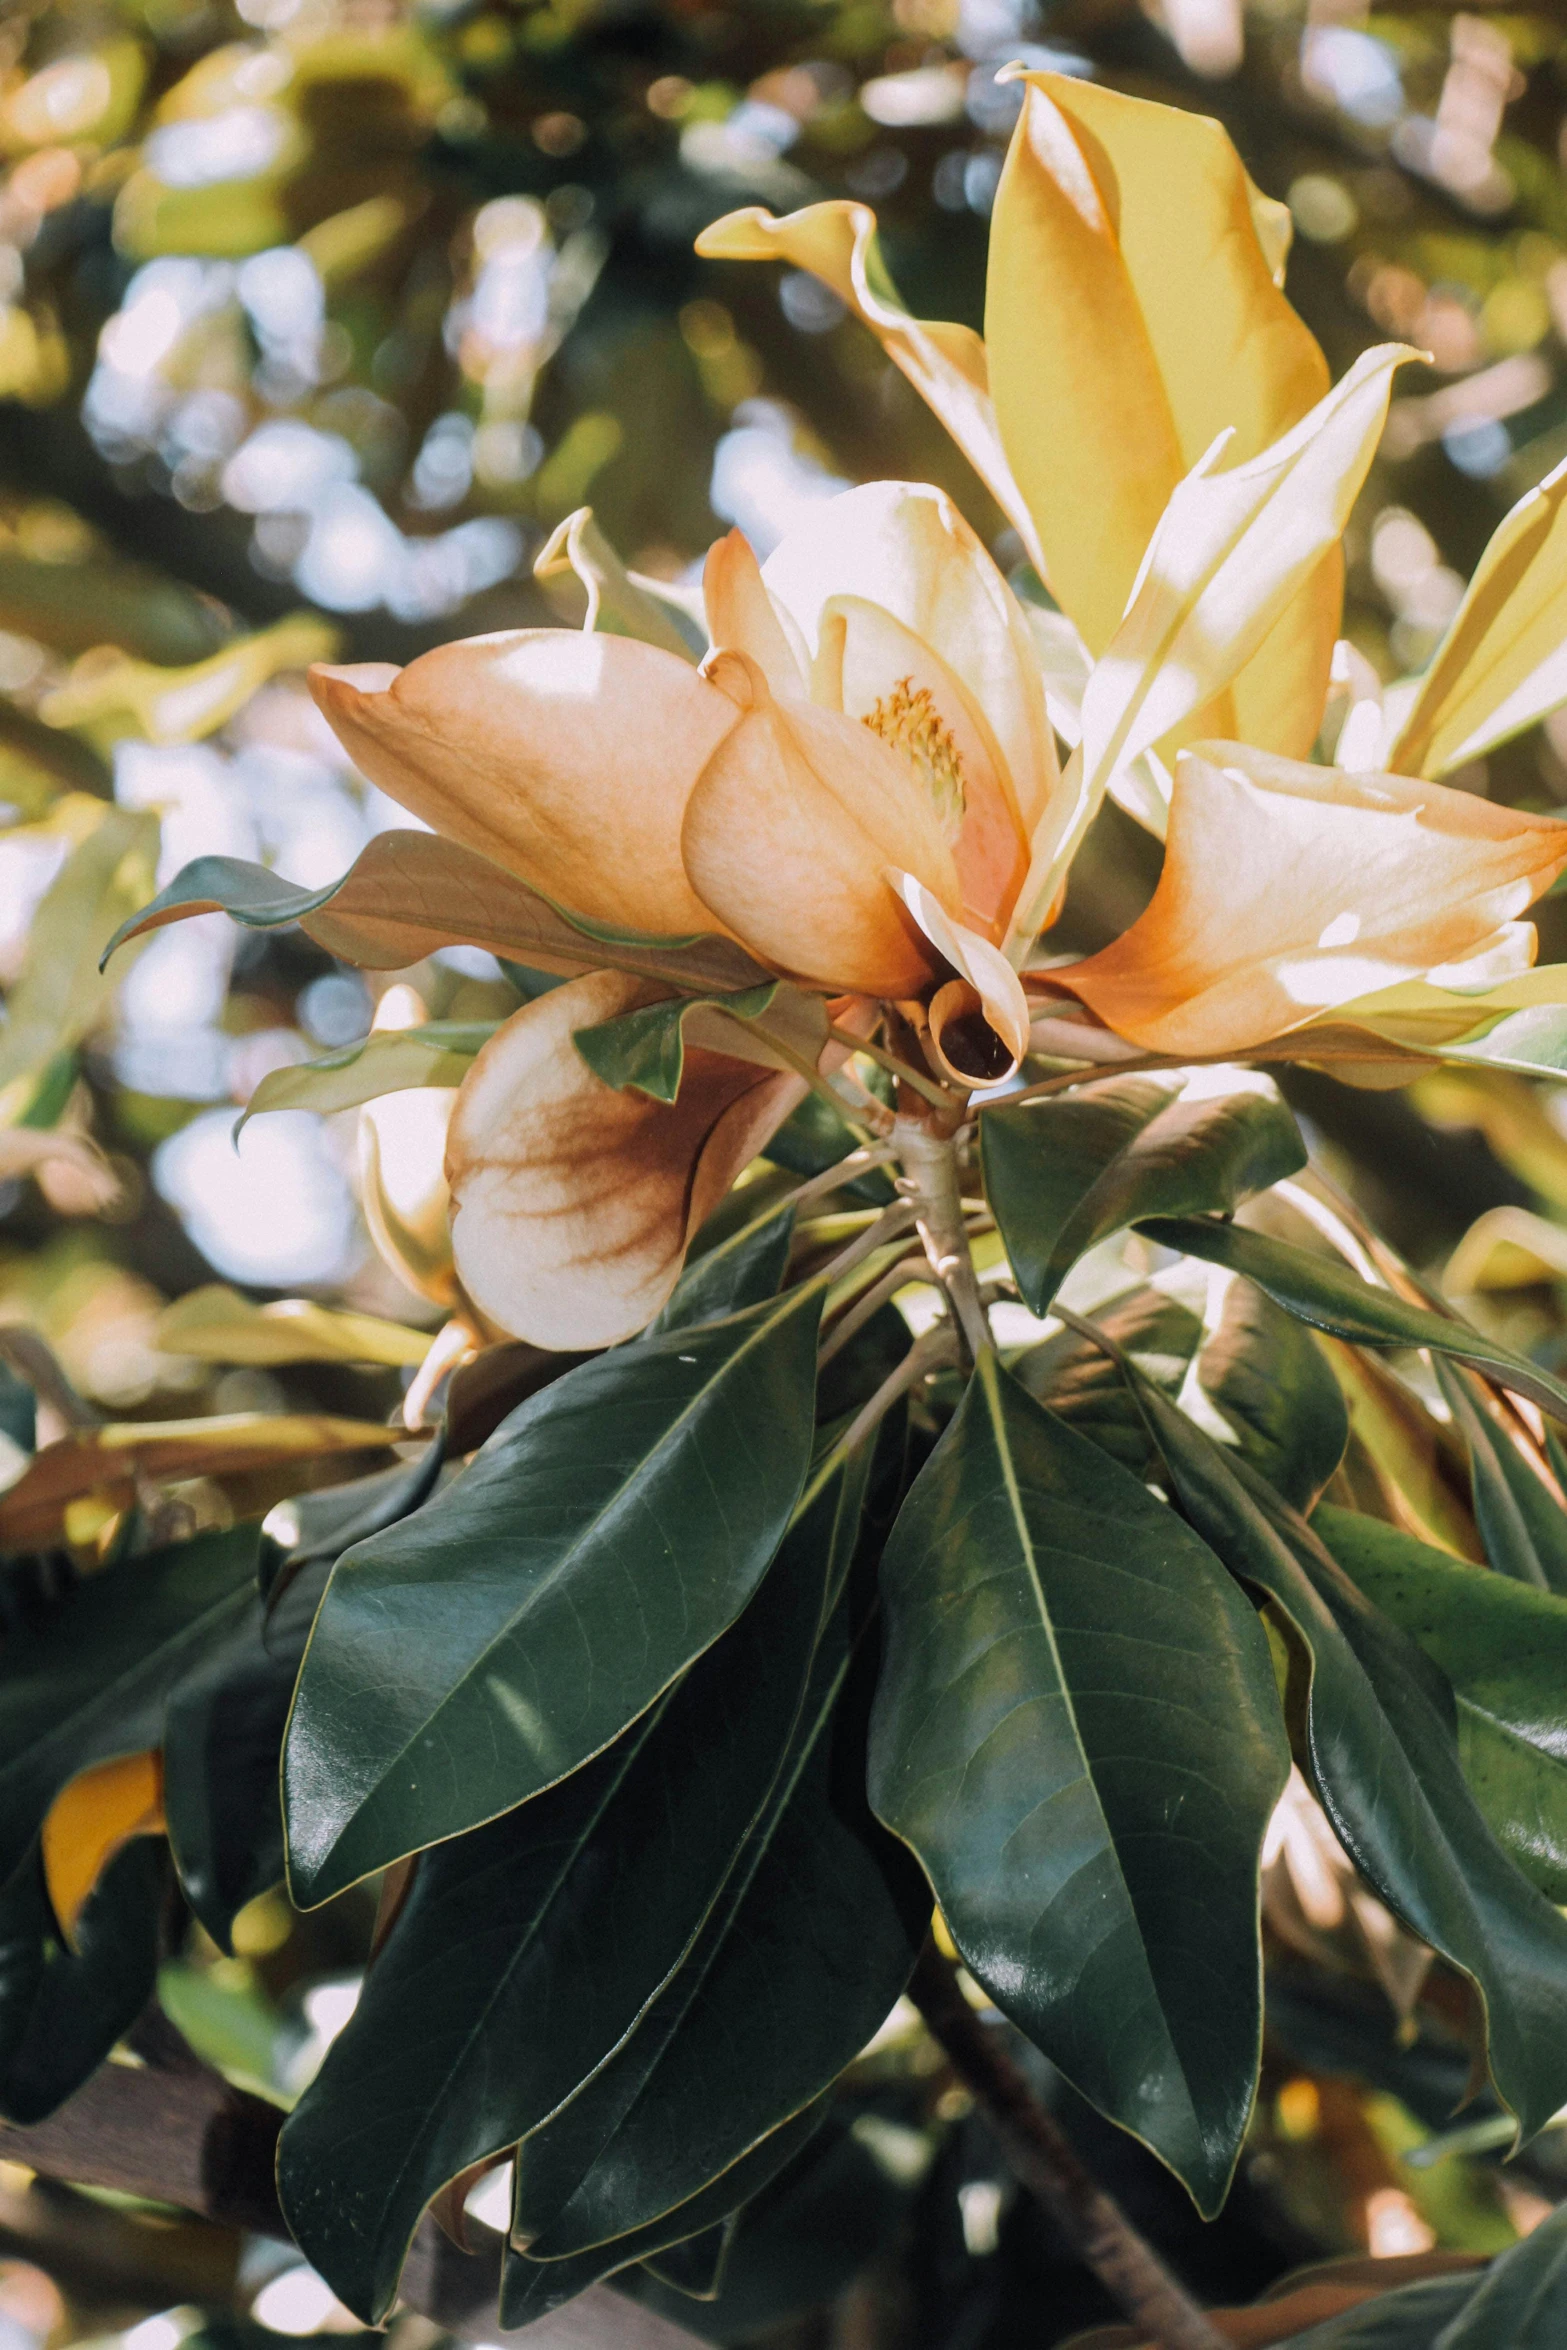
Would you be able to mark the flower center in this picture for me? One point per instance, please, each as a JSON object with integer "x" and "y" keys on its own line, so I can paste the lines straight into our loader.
{"x": 908, "y": 721}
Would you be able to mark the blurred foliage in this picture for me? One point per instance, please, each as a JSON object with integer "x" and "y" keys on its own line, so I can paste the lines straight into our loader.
{"x": 316, "y": 318}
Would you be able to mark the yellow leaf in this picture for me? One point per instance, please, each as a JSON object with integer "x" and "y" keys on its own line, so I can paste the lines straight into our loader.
{"x": 1230, "y": 553}
{"x": 945, "y": 363}
{"x": 108, "y": 1463}
{"x": 109, "y": 695}
{"x": 1133, "y": 313}
{"x": 60, "y": 993}
{"x": 88, "y": 1821}
{"x": 214, "y": 1324}
{"x": 1503, "y": 661}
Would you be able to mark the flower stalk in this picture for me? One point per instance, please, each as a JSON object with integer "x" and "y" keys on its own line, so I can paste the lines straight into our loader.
{"x": 930, "y": 1184}
{"x": 1047, "y": 2164}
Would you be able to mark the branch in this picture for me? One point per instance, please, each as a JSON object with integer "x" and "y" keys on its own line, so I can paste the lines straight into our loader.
{"x": 173, "y": 2131}
{"x": 1047, "y": 2164}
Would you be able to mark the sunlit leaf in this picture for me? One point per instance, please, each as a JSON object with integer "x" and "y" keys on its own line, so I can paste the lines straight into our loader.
{"x": 1504, "y": 1648}
{"x": 479, "y": 1651}
{"x": 1089, "y": 1800}
{"x": 1063, "y": 1173}
{"x": 1383, "y": 1757}
{"x": 215, "y": 1324}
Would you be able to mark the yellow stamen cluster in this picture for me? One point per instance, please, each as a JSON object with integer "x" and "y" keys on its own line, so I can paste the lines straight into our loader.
{"x": 907, "y": 719}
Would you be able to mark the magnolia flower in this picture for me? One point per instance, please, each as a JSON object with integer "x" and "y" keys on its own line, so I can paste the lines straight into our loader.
{"x": 849, "y": 788}
{"x": 859, "y": 786}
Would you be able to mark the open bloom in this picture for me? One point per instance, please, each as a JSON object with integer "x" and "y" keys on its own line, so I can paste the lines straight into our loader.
{"x": 848, "y": 787}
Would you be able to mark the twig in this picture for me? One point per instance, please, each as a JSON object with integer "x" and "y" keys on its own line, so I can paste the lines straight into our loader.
{"x": 924, "y": 1355}
{"x": 905, "y": 1073}
{"x": 834, "y": 1178}
{"x": 1049, "y": 2166}
{"x": 930, "y": 1183}
{"x": 891, "y": 1224}
{"x": 898, "y": 1276}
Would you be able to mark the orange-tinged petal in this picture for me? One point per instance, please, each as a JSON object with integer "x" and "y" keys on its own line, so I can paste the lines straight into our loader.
{"x": 88, "y": 1821}
{"x": 789, "y": 833}
{"x": 566, "y": 757}
{"x": 946, "y": 364}
{"x": 743, "y": 618}
{"x": 1133, "y": 313}
{"x": 904, "y": 547}
{"x": 1288, "y": 889}
{"x": 573, "y": 1204}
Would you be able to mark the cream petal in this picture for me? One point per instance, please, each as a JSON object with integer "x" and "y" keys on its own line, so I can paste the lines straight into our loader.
{"x": 566, "y": 757}
{"x": 905, "y": 547}
{"x": 743, "y": 618}
{"x": 573, "y": 1204}
{"x": 1289, "y": 889}
{"x": 402, "y": 1185}
{"x": 995, "y": 986}
{"x": 790, "y": 829}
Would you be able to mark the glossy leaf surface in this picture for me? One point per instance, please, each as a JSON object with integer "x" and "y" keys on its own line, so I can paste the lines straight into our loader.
{"x": 1327, "y": 1294}
{"x": 527, "y": 1949}
{"x": 531, "y": 2287}
{"x": 1270, "y": 1381}
{"x": 1081, "y": 1384}
{"x": 1384, "y": 1760}
{"x": 604, "y": 1535}
{"x": 223, "y": 1740}
{"x": 1078, "y": 1732}
{"x": 1523, "y": 1527}
{"x": 91, "y": 1679}
{"x": 1503, "y": 1646}
{"x": 62, "y": 2010}
{"x": 795, "y": 1968}
{"x": 741, "y": 1271}
{"x": 1063, "y": 1173}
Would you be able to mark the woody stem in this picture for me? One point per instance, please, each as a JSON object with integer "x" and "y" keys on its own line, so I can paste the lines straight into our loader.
{"x": 1046, "y": 2163}
{"x": 930, "y": 1183}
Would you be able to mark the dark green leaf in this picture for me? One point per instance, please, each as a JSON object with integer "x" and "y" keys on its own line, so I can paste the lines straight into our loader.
{"x": 1324, "y": 1292}
{"x": 606, "y": 1533}
{"x": 1081, "y": 1384}
{"x": 1524, "y": 1530}
{"x": 90, "y": 1679}
{"x": 223, "y": 1740}
{"x": 531, "y": 2288}
{"x": 18, "y": 1410}
{"x": 813, "y": 1138}
{"x": 1411, "y": 2318}
{"x": 1064, "y": 1173}
{"x": 62, "y": 2010}
{"x": 526, "y": 1950}
{"x": 333, "y": 1517}
{"x": 1078, "y": 1732}
{"x": 1268, "y": 1379}
{"x": 1503, "y": 1646}
{"x": 796, "y": 1966}
{"x": 692, "y": 2267}
{"x": 796, "y": 2245}
{"x": 646, "y": 1049}
{"x": 1384, "y": 1759}
{"x": 740, "y": 1271}
{"x": 1521, "y": 2300}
